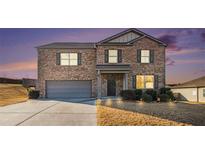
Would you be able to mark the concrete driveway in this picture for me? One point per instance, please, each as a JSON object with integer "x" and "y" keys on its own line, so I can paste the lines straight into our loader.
{"x": 49, "y": 113}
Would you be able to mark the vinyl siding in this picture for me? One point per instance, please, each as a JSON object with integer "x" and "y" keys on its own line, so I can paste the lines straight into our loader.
{"x": 187, "y": 93}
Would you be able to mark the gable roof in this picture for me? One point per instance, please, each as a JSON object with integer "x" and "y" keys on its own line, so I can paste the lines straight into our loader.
{"x": 133, "y": 30}
{"x": 135, "y": 36}
{"x": 68, "y": 45}
{"x": 199, "y": 82}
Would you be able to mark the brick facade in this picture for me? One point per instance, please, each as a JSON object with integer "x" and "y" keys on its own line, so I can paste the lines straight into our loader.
{"x": 48, "y": 70}
{"x": 129, "y": 56}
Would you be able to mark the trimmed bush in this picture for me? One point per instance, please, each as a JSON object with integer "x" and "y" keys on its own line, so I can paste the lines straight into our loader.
{"x": 147, "y": 98}
{"x": 34, "y": 94}
{"x": 168, "y": 92}
{"x": 152, "y": 93}
{"x": 138, "y": 93}
{"x": 164, "y": 98}
{"x": 128, "y": 94}
{"x": 164, "y": 90}
{"x": 171, "y": 95}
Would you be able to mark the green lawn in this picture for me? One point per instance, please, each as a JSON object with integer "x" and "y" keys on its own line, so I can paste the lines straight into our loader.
{"x": 12, "y": 93}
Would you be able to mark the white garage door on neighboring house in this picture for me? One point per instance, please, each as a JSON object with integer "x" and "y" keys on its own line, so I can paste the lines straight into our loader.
{"x": 68, "y": 89}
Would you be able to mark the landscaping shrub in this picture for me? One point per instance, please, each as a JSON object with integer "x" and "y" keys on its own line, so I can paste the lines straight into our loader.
{"x": 138, "y": 93}
{"x": 128, "y": 94}
{"x": 152, "y": 93}
{"x": 147, "y": 98}
{"x": 164, "y": 98}
{"x": 168, "y": 92}
{"x": 171, "y": 95}
{"x": 33, "y": 94}
{"x": 164, "y": 90}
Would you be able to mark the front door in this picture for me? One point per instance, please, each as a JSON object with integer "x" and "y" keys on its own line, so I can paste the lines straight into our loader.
{"x": 111, "y": 87}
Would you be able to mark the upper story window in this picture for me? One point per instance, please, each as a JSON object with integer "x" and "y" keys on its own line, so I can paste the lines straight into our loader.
{"x": 145, "y": 56}
{"x": 113, "y": 56}
{"x": 70, "y": 59}
{"x": 144, "y": 81}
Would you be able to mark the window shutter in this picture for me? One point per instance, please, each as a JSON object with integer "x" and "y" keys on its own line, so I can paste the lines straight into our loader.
{"x": 79, "y": 59}
{"x": 119, "y": 56}
{"x": 151, "y": 56}
{"x": 139, "y": 56}
{"x": 57, "y": 58}
{"x": 156, "y": 81}
{"x": 134, "y": 81}
{"x": 106, "y": 56}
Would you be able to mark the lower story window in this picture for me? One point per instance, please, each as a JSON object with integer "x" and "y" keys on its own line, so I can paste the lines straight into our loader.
{"x": 145, "y": 81}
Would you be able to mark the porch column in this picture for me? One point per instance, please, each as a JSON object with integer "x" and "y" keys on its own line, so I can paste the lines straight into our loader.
{"x": 125, "y": 81}
{"x": 98, "y": 84}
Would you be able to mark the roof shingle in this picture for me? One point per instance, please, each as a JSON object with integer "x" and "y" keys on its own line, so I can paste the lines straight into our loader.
{"x": 200, "y": 82}
{"x": 68, "y": 45}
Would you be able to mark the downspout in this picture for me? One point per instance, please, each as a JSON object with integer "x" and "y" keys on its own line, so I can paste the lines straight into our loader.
{"x": 197, "y": 90}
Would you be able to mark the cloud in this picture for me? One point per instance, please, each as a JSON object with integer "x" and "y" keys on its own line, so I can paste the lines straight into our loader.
{"x": 169, "y": 61}
{"x": 190, "y": 61}
{"x": 203, "y": 36}
{"x": 185, "y": 51}
{"x": 171, "y": 41}
{"x": 200, "y": 71}
{"x": 173, "y": 62}
{"x": 18, "y": 66}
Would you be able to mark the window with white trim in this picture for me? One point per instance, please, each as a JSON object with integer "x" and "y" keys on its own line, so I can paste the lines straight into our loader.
{"x": 112, "y": 56}
{"x": 145, "y": 56}
{"x": 145, "y": 81}
{"x": 70, "y": 59}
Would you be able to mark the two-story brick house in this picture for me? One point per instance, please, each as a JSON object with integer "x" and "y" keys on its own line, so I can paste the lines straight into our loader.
{"x": 128, "y": 60}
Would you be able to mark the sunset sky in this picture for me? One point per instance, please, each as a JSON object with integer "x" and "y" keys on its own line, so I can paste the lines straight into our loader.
{"x": 185, "y": 54}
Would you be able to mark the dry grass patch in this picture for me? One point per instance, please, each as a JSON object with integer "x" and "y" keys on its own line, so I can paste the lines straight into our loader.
{"x": 12, "y": 93}
{"x": 107, "y": 116}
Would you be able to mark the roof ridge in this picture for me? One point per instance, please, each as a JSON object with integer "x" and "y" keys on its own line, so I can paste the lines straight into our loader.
{"x": 196, "y": 79}
{"x": 198, "y": 82}
{"x": 129, "y": 30}
{"x": 118, "y": 34}
{"x": 75, "y": 42}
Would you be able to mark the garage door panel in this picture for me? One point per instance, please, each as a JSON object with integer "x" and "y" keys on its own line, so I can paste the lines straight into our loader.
{"x": 68, "y": 89}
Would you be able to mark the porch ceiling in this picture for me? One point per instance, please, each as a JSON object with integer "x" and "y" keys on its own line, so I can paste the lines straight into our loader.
{"x": 113, "y": 68}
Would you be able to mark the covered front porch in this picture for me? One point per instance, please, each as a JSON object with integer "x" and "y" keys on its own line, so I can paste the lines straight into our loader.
{"x": 111, "y": 79}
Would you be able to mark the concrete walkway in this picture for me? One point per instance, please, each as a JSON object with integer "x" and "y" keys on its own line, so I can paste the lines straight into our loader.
{"x": 49, "y": 113}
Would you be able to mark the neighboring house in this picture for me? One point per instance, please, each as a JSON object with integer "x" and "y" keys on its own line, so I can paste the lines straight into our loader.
{"x": 128, "y": 60}
{"x": 29, "y": 82}
{"x": 193, "y": 91}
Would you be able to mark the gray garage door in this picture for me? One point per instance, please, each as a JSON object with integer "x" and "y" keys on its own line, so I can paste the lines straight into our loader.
{"x": 68, "y": 89}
